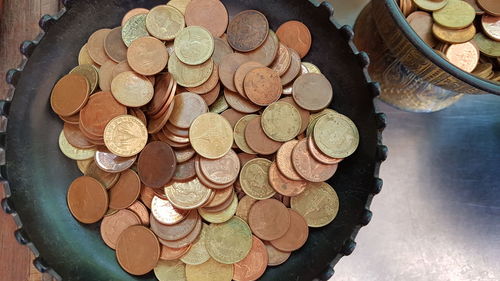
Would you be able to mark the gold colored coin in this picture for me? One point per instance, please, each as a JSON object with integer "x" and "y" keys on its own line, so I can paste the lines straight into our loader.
{"x": 125, "y": 135}
{"x": 318, "y": 204}
{"x": 190, "y": 75}
{"x": 73, "y": 152}
{"x": 165, "y": 22}
{"x": 89, "y": 72}
{"x": 239, "y": 133}
{"x": 219, "y": 105}
{"x": 487, "y": 46}
{"x": 454, "y": 36}
{"x": 83, "y": 165}
{"x": 336, "y": 135}
{"x": 221, "y": 216}
{"x": 455, "y": 15}
{"x": 198, "y": 253}
{"x": 84, "y": 57}
{"x": 209, "y": 271}
{"x": 194, "y": 45}
{"x": 314, "y": 118}
{"x": 188, "y": 195}
{"x": 311, "y": 68}
{"x": 211, "y": 135}
{"x": 430, "y": 5}
{"x": 281, "y": 121}
{"x": 254, "y": 179}
{"x": 174, "y": 270}
{"x": 179, "y": 5}
{"x": 132, "y": 89}
{"x": 134, "y": 28}
{"x": 229, "y": 242}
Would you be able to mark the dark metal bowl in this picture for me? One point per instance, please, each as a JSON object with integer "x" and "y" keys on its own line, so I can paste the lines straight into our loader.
{"x": 36, "y": 174}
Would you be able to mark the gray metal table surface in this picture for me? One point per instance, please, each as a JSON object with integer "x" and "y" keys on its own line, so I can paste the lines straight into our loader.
{"x": 438, "y": 215}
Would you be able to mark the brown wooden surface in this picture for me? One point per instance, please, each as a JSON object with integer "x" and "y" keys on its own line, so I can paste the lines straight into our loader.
{"x": 18, "y": 22}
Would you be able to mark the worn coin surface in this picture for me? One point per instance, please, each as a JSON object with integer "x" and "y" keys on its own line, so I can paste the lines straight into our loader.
{"x": 488, "y": 47}
{"x": 209, "y": 271}
{"x": 296, "y": 236}
{"x": 455, "y": 15}
{"x": 421, "y": 22}
{"x": 240, "y": 103}
{"x": 90, "y": 72}
{"x": 210, "y": 14}
{"x": 306, "y": 85}
{"x": 73, "y": 152}
{"x": 430, "y": 5}
{"x": 257, "y": 139}
{"x": 262, "y": 86}
{"x": 95, "y": 46}
{"x": 113, "y": 225}
{"x": 125, "y": 135}
{"x": 282, "y": 61}
{"x": 253, "y": 266}
{"x": 295, "y": 35}
{"x": 283, "y": 185}
{"x": 134, "y": 28}
{"x": 221, "y": 216}
{"x": 194, "y": 45}
{"x": 491, "y": 26}
{"x": 173, "y": 270}
{"x": 156, "y": 164}
{"x": 211, "y": 135}
{"x": 492, "y": 7}
{"x": 269, "y": 219}
{"x": 284, "y": 161}
{"x": 454, "y": 36}
{"x": 164, "y": 22}
{"x": 247, "y": 30}
{"x": 114, "y": 46}
{"x": 239, "y": 133}
{"x": 318, "y": 204}
{"x": 276, "y": 257}
{"x": 165, "y": 213}
{"x": 87, "y": 199}
{"x": 336, "y": 135}
{"x": 254, "y": 179}
{"x": 137, "y": 250}
{"x": 266, "y": 53}
{"x": 222, "y": 170}
{"x": 190, "y": 75}
{"x": 188, "y": 195}
{"x": 125, "y": 191}
{"x": 132, "y": 89}
{"x": 281, "y": 121}
{"x": 147, "y": 56}
{"x": 198, "y": 253}
{"x": 221, "y": 49}
{"x": 464, "y": 55}
{"x": 308, "y": 167}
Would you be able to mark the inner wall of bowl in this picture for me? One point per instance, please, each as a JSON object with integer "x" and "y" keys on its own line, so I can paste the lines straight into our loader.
{"x": 40, "y": 174}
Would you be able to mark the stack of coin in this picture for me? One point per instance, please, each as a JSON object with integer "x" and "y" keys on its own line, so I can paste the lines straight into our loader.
{"x": 205, "y": 143}
{"x": 464, "y": 32}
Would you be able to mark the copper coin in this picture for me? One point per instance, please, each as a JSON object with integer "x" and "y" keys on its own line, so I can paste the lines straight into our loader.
{"x": 212, "y": 81}
{"x": 113, "y": 225}
{"x": 220, "y": 196}
{"x": 282, "y": 61}
{"x": 204, "y": 180}
{"x": 245, "y": 157}
{"x": 319, "y": 155}
{"x": 176, "y": 131}
{"x": 69, "y": 94}
{"x": 137, "y": 250}
{"x": 164, "y": 212}
{"x": 187, "y": 240}
{"x": 163, "y": 90}
{"x": 95, "y": 46}
{"x": 276, "y": 257}
{"x": 304, "y": 114}
{"x": 294, "y": 69}
{"x": 141, "y": 211}
{"x": 491, "y": 7}
{"x": 222, "y": 170}
{"x": 100, "y": 109}
{"x": 133, "y": 12}
{"x": 176, "y": 231}
{"x": 422, "y": 22}
{"x": 221, "y": 207}
{"x": 247, "y": 30}
{"x": 170, "y": 254}
{"x": 147, "y": 56}
{"x": 156, "y": 165}
{"x": 296, "y": 236}
{"x": 308, "y": 167}
{"x": 120, "y": 68}
{"x": 263, "y": 86}
{"x": 185, "y": 171}
{"x": 232, "y": 116}
{"x": 168, "y": 103}
{"x": 295, "y": 35}
{"x": 155, "y": 125}
{"x": 491, "y": 26}
{"x": 283, "y": 185}
{"x": 114, "y": 46}
{"x": 137, "y": 112}
{"x": 269, "y": 219}
{"x": 87, "y": 200}
{"x": 241, "y": 73}
{"x": 244, "y": 206}
{"x": 257, "y": 140}
{"x": 210, "y": 14}
{"x": 112, "y": 163}
{"x": 239, "y": 103}
{"x": 125, "y": 191}
{"x": 75, "y": 136}
{"x": 147, "y": 194}
{"x": 175, "y": 138}
{"x": 228, "y": 66}
{"x": 211, "y": 96}
{"x": 464, "y": 56}
{"x": 183, "y": 155}
{"x": 72, "y": 119}
{"x": 188, "y": 107}
{"x": 312, "y": 91}
{"x": 266, "y": 53}
{"x": 106, "y": 75}
{"x": 221, "y": 49}
{"x": 253, "y": 266}
{"x": 105, "y": 178}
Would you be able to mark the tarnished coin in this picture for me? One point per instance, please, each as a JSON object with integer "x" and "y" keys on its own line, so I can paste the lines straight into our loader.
{"x": 276, "y": 257}
{"x": 125, "y": 136}
{"x": 239, "y": 103}
{"x": 263, "y": 86}
{"x": 318, "y": 204}
{"x": 454, "y": 36}
{"x": 492, "y": 7}
{"x": 254, "y": 179}
{"x": 105, "y": 178}
{"x": 171, "y": 254}
{"x": 190, "y": 75}
{"x": 70, "y": 94}
{"x": 209, "y": 271}
{"x": 487, "y": 46}
{"x": 237, "y": 238}
{"x": 147, "y": 56}
{"x": 87, "y": 200}
{"x": 239, "y": 133}
{"x": 266, "y": 53}
{"x": 283, "y": 185}
{"x": 257, "y": 139}
{"x": 284, "y": 161}
{"x": 209, "y": 85}
{"x": 114, "y": 46}
{"x": 83, "y": 165}
{"x": 75, "y": 137}
{"x": 491, "y": 26}
{"x": 244, "y": 207}
{"x": 294, "y": 69}
{"x": 73, "y": 152}
{"x": 214, "y": 96}
{"x": 137, "y": 250}
{"x": 430, "y": 5}
{"x": 211, "y": 135}
{"x": 455, "y": 15}
{"x": 194, "y": 45}
{"x": 241, "y": 73}
{"x": 319, "y": 155}
{"x": 187, "y": 240}
{"x": 253, "y": 266}
{"x": 141, "y": 211}
{"x": 134, "y": 28}
{"x": 95, "y": 46}
{"x": 304, "y": 114}
{"x": 106, "y": 75}
{"x": 111, "y": 163}
{"x": 312, "y": 91}
{"x": 296, "y": 35}
{"x": 220, "y": 197}
{"x": 464, "y": 55}
{"x": 156, "y": 164}
{"x": 180, "y": 5}
{"x": 183, "y": 155}
{"x": 282, "y": 61}
{"x": 125, "y": 191}
{"x": 132, "y": 13}
{"x": 185, "y": 171}
{"x": 308, "y": 167}
{"x": 227, "y": 69}
{"x": 222, "y": 170}
{"x": 269, "y": 219}
{"x": 164, "y": 22}
{"x": 210, "y": 14}
{"x": 311, "y": 68}
{"x": 219, "y": 105}
{"x": 165, "y": 213}
{"x": 132, "y": 89}
{"x": 188, "y": 195}
{"x": 173, "y": 270}
{"x": 221, "y": 216}
{"x": 198, "y": 253}
{"x": 296, "y": 236}
{"x": 281, "y": 121}
{"x": 232, "y": 116}
{"x": 98, "y": 111}
{"x": 247, "y": 30}
{"x": 84, "y": 57}
{"x": 421, "y": 22}
{"x": 177, "y": 231}
{"x": 221, "y": 49}
{"x": 113, "y": 225}
{"x": 89, "y": 72}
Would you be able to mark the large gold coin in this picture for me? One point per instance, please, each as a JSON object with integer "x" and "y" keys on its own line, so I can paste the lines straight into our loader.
{"x": 209, "y": 271}
{"x": 198, "y": 253}
{"x": 190, "y": 75}
{"x": 336, "y": 135}
{"x": 188, "y": 195}
{"x": 134, "y": 28}
{"x": 455, "y": 15}
{"x": 281, "y": 121}
{"x": 73, "y": 152}
{"x": 254, "y": 179}
{"x": 194, "y": 45}
{"x": 239, "y": 133}
{"x": 125, "y": 135}
{"x": 164, "y": 22}
{"x": 174, "y": 270}
{"x": 318, "y": 204}
{"x": 211, "y": 135}
{"x": 132, "y": 89}
{"x": 89, "y": 72}
{"x": 221, "y": 216}
{"x": 314, "y": 118}
{"x": 229, "y": 242}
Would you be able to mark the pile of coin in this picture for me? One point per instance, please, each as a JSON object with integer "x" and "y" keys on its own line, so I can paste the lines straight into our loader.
{"x": 205, "y": 143}
{"x": 464, "y": 32}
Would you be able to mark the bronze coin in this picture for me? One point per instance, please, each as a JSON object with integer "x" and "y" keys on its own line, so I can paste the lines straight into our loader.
{"x": 133, "y": 12}
{"x": 221, "y": 49}
{"x": 167, "y": 104}
{"x": 155, "y": 125}
{"x": 232, "y": 116}
{"x": 253, "y": 266}
{"x": 296, "y": 236}
{"x": 105, "y": 178}
{"x": 95, "y": 46}
{"x": 69, "y": 94}
{"x": 125, "y": 191}
{"x": 147, "y": 195}
{"x": 188, "y": 239}
{"x": 75, "y": 137}
{"x": 283, "y": 185}
{"x": 210, "y": 14}
{"x": 87, "y": 200}
{"x": 223, "y": 170}
{"x": 164, "y": 212}
{"x": 491, "y": 7}
{"x": 263, "y": 86}
{"x": 241, "y": 73}
{"x": 296, "y": 35}
{"x": 176, "y": 231}
{"x": 113, "y": 225}
{"x": 156, "y": 164}
{"x": 211, "y": 96}
{"x": 163, "y": 90}
{"x": 147, "y": 56}
{"x": 114, "y": 46}
{"x": 308, "y": 167}
{"x": 294, "y": 69}
{"x": 282, "y": 62}
{"x": 221, "y": 207}
{"x": 212, "y": 81}
{"x": 100, "y": 109}
{"x": 239, "y": 103}
{"x": 228, "y": 66}
{"x": 244, "y": 206}
{"x": 247, "y": 30}
{"x": 188, "y": 106}
{"x": 266, "y": 53}
{"x": 257, "y": 140}
{"x": 137, "y": 250}
{"x": 312, "y": 91}
{"x": 245, "y": 157}
{"x": 178, "y": 139}
{"x": 276, "y": 257}
{"x": 170, "y": 254}
{"x": 319, "y": 155}
{"x": 73, "y": 119}
{"x": 269, "y": 219}
{"x": 176, "y": 131}
{"x": 220, "y": 196}
{"x": 185, "y": 171}
{"x": 106, "y": 75}
{"x": 112, "y": 163}
{"x": 304, "y": 114}
{"x": 120, "y": 68}
{"x": 204, "y": 180}
{"x": 141, "y": 211}
{"x": 137, "y": 112}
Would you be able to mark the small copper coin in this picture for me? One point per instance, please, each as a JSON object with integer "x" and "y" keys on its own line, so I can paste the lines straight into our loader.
{"x": 239, "y": 103}
{"x": 87, "y": 200}
{"x": 170, "y": 254}
{"x": 222, "y": 170}
{"x": 464, "y": 56}
{"x": 112, "y": 163}
{"x": 156, "y": 125}
{"x": 220, "y": 196}
{"x": 319, "y": 155}
{"x": 308, "y": 167}
{"x": 295, "y": 35}
{"x": 221, "y": 49}
{"x": 176, "y": 231}
{"x": 294, "y": 69}
{"x": 147, "y": 56}
{"x": 137, "y": 250}
{"x": 210, "y": 84}
{"x": 244, "y": 206}
{"x": 125, "y": 191}
{"x": 113, "y": 225}
{"x": 210, "y": 14}
{"x": 204, "y": 180}
{"x": 185, "y": 171}
{"x": 121, "y": 67}
{"x": 165, "y": 213}
{"x": 266, "y": 53}
{"x": 183, "y": 155}
{"x": 69, "y": 94}
{"x": 176, "y": 131}
{"x": 114, "y": 46}
{"x": 211, "y": 97}
{"x": 491, "y": 26}
{"x": 263, "y": 86}
{"x": 296, "y": 236}
{"x": 241, "y": 73}
{"x": 257, "y": 140}
{"x": 95, "y": 46}
{"x": 269, "y": 219}
{"x": 188, "y": 239}
{"x": 283, "y": 185}
{"x": 73, "y": 119}
{"x": 247, "y": 31}
{"x": 105, "y": 178}
{"x": 156, "y": 164}
{"x": 147, "y": 194}
{"x": 312, "y": 91}
{"x": 282, "y": 62}
{"x": 133, "y": 12}
{"x": 139, "y": 114}
{"x": 276, "y": 257}
{"x": 222, "y": 207}
{"x": 106, "y": 75}
{"x": 254, "y": 265}
{"x": 491, "y": 7}
{"x": 232, "y": 116}
{"x": 228, "y": 66}
{"x": 188, "y": 106}
{"x": 141, "y": 211}
{"x": 422, "y": 22}
{"x": 75, "y": 137}
{"x": 304, "y": 114}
